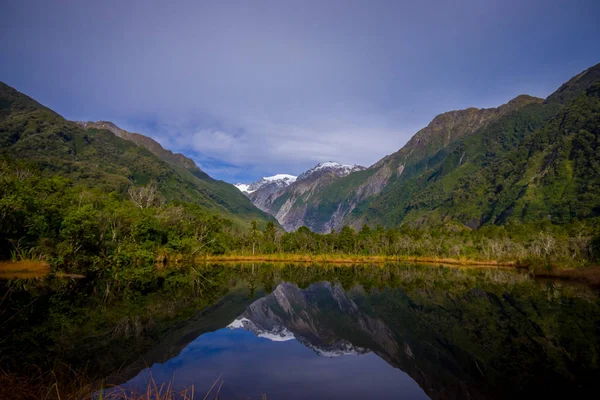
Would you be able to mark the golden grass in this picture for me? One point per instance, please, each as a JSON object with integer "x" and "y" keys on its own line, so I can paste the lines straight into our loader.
{"x": 27, "y": 269}
{"x": 32, "y": 266}
{"x": 349, "y": 259}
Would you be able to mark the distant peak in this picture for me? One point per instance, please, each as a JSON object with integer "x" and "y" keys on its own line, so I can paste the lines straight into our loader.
{"x": 281, "y": 177}
{"x": 279, "y": 180}
{"x": 524, "y": 99}
{"x": 336, "y": 168}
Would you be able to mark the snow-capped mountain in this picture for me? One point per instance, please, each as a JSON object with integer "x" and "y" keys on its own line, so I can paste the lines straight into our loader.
{"x": 277, "y": 333}
{"x": 291, "y": 213}
{"x": 337, "y": 169}
{"x": 274, "y": 182}
{"x": 275, "y": 317}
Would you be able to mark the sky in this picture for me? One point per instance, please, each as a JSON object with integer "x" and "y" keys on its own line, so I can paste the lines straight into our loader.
{"x": 254, "y": 88}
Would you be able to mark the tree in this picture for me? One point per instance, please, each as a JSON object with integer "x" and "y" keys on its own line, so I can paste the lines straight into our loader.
{"x": 254, "y": 234}
{"x": 347, "y": 239}
{"x": 269, "y": 236}
{"x": 144, "y": 196}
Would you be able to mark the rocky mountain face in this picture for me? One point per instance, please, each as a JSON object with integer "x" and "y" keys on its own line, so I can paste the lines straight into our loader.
{"x": 284, "y": 199}
{"x": 330, "y": 167}
{"x": 272, "y": 183}
{"x": 305, "y": 315}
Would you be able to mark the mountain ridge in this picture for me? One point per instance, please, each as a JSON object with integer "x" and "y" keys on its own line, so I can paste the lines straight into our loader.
{"x": 98, "y": 158}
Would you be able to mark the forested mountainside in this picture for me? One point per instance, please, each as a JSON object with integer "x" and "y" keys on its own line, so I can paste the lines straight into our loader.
{"x": 110, "y": 159}
{"x": 541, "y": 162}
{"x": 175, "y": 159}
{"x": 525, "y": 161}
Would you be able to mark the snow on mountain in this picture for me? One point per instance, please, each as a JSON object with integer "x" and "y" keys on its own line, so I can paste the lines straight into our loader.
{"x": 334, "y": 167}
{"x": 337, "y": 349}
{"x": 278, "y": 181}
{"x": 243, "y": 187}
{"x": 277, "y": 334}
{"x": 281, "y": 177}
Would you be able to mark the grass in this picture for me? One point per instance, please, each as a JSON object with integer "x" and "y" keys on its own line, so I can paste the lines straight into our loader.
{"x": 25, "y": 269}
{"x": 350, "y": 259}
{"x": 36, "y": 266}
{"x": 63, "y": 383}
{"x": 29, "y": 269}
{"x": 589, "y": 275}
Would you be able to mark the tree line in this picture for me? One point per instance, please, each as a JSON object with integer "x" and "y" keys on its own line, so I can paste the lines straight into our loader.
{"x": 78, "y": 227}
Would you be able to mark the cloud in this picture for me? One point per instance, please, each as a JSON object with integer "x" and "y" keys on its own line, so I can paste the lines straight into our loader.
{"x": 265, "y": 147}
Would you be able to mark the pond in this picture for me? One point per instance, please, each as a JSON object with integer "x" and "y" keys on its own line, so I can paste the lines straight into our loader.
{"x": 326, "y": 332}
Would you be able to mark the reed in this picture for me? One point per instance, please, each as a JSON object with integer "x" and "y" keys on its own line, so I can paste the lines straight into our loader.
{"x": 64, "y": 383}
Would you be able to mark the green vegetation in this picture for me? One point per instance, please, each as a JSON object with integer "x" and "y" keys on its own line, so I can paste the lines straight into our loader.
{"x": 99, "y": 160}
{"x": 525, "y": 162}
{"x": 81, "y": 229}
{"x": 539, "y": 163}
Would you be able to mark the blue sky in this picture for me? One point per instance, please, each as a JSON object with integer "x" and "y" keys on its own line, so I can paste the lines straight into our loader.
{"x": 253, "y": 88}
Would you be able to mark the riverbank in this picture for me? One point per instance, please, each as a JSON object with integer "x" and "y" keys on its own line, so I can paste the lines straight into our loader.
{"x": 589, "y": 275}
{"x": 350, "y": 259}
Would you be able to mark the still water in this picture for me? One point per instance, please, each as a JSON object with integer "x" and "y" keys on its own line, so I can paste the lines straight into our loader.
{"x": 298, "y": 332}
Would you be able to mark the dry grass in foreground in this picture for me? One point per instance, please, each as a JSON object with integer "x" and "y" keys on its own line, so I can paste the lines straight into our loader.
{"x": 65, "y": 384}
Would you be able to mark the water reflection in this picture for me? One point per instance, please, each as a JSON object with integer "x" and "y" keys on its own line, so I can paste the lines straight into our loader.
{"x": 347, "y": 332}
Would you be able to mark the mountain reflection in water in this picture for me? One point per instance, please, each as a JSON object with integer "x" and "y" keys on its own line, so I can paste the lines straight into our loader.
{"x": 397, "y": 331}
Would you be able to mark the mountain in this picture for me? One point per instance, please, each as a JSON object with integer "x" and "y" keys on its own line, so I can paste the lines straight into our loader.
{"x": 174, "y": 159}
{"x": 537, "y": 163}
{"x": 465, "y": 339}
{"x": 97, "y": 157}
{"x": 285, "y": 199}
{"x": 334, "y": 168}
{"x": 274, "y": 182}
{"x": 528, "y": 160}
{"x": 290, "y": 313}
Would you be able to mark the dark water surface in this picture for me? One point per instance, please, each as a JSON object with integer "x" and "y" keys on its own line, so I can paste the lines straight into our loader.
{"x": 298, "y": 332}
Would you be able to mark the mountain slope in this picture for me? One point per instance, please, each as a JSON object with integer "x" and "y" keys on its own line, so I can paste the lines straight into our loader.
{"x": 174, "y": 159}
{"x": 288, "y": 202}
{"x": 475, "y": 166}
{"x": 540, "y": 163}
{"x": 97, "y": 158}
{"x": 323, "y": 206}
{"x": 274, "y": 182}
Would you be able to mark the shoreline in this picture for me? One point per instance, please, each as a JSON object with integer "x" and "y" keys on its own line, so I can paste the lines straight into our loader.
{"x": 28, "y": 269}
{"x": 354, "y": 259}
